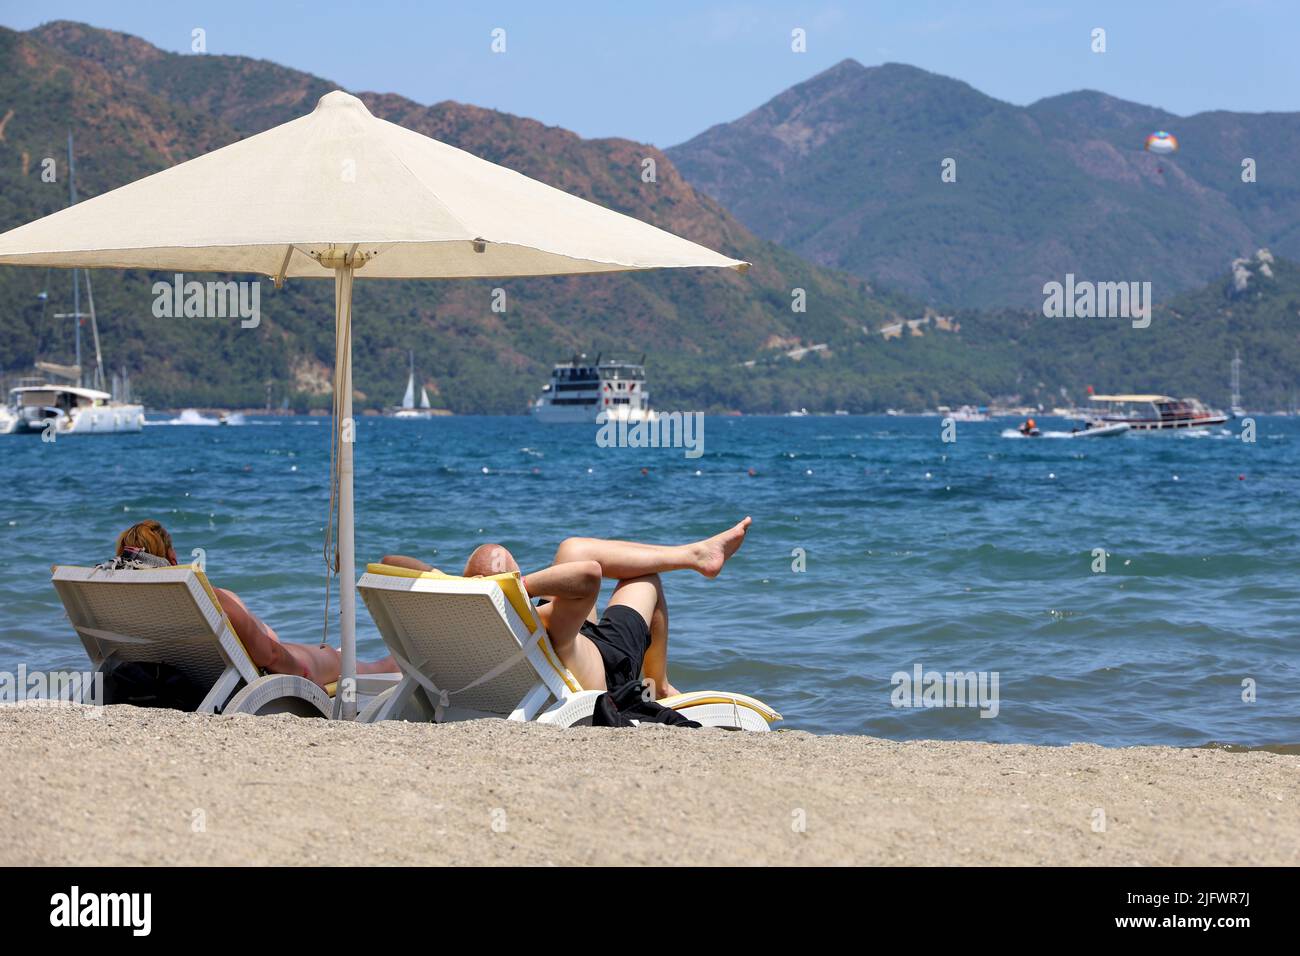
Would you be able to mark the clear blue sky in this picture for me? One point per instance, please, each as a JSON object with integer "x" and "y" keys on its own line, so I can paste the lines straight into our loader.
{"x": 662, "y": 71}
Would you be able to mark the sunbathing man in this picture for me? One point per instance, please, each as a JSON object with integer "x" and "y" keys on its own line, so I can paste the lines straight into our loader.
{"x": 631, "y": 638}
{"x": 318, "y": 664}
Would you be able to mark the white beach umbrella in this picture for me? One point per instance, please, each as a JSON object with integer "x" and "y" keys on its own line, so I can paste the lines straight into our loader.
{"x": 342, "y": 193}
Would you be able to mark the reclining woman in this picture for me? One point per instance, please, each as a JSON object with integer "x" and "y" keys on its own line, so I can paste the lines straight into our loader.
{"x": 631, "y": 638}
{"x": 318, "y": 664}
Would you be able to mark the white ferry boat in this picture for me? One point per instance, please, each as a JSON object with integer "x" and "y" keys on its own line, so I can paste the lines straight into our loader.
{"x": 580, "y": 390}
{"x": 1145, "y": 413}
{"x": 68, "y": 410}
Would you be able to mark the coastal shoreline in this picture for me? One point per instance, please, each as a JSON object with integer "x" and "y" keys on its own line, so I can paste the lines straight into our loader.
{"x": 129, "y": 786}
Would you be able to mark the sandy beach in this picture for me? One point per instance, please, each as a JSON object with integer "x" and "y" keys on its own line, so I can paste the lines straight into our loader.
{"x": 132, "y": 786}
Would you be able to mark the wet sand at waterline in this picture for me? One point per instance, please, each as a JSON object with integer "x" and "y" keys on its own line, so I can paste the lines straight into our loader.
{"x": 134, "y": 786}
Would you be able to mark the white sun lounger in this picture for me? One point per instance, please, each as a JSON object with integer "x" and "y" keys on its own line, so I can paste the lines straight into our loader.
{"x": 475, "y": 647}
{"x": 172, "y": 616}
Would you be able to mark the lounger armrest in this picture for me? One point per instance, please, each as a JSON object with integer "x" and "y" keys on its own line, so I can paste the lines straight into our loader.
{"x": 696, "y": 697}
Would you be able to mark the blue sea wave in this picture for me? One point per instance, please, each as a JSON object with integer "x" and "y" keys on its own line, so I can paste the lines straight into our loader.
{"x": 876, "y": 547}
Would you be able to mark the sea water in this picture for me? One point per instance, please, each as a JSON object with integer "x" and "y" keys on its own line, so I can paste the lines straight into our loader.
{"x": 1132, "y": 590}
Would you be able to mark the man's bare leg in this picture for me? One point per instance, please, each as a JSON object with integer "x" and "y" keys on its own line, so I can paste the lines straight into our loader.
{"x": 626, "y": 560}
{"x": 573, "y": 588}
{"x": 645, "y": 596}
{"x": 655, "y": 666}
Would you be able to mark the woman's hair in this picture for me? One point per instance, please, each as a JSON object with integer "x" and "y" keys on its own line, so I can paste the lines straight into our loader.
{"x": 148, "y": 536}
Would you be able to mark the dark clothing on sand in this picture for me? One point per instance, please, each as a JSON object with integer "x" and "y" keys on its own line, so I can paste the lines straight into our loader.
{"x": 622, "y": 636}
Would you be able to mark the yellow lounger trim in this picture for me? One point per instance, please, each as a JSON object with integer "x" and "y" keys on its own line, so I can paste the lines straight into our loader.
{"x": 692, "y": 698}
{"x": 510, "y": 583}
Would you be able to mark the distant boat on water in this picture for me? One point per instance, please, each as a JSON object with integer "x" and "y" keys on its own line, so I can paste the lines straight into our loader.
{"x": 966, "y": 413}
{"x": 1146, "y": 413}
{"x": 58, "y": 402}
{"x": 580, "y": 391}
{"x": 67, "y": 410}
{"x": 408, "y": 408}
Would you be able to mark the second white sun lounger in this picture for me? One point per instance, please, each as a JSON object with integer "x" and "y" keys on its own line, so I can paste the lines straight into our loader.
{"x": 475, "y": 647}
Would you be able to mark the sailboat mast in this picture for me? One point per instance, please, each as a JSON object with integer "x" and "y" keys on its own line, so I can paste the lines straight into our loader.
{"x": 76, "y": 284}
{"x": 1236, "y": 378}
{"x": 94, "y": 335}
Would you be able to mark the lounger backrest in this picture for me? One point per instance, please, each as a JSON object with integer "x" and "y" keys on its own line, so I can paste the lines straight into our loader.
{"x": 457, "y": 630}
{"x": 162, "y": 615}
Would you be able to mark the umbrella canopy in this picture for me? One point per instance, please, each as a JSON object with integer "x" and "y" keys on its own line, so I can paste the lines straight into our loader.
{"x": 276, "y": 202}
{"x": 342, "y": 194}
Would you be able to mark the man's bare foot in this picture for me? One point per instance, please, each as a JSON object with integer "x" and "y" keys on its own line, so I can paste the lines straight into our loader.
{"x": 667, "y": 690}
{"x": 712, "y": 553}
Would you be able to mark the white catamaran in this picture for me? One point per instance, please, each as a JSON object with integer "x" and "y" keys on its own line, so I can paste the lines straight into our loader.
{"x": 68, "y": 407}
{"x": 408, "y": 408}
{"x": 68, "y": 410}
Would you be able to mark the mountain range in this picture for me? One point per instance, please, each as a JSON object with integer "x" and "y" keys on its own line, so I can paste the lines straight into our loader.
{"x": 135, "y": 109}
{"x": 717, "y": 341}
{"x": 847, "y": 170}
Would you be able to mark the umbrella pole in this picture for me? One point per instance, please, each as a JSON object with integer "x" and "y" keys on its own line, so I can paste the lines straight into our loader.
{"x": 346, "y": 695}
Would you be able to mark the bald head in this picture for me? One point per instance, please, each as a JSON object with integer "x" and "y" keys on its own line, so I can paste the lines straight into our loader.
{"x": 489, "y": 559}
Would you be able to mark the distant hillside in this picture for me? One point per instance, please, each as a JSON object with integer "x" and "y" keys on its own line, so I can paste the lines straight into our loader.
{"x": 713, "y": 340}
{"x": 845, "y": 169}
{"x": 1185, "y": 351}
{"x": 1023, "y": 357}
{"x": 135, "y": 109}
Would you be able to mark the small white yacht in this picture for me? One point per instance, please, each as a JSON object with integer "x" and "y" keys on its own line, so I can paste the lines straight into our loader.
{"x": 408, "y": 408}
{"x": 580, "y": 390}
{"x": 68, "y": 410}
{"x": 1145, "y": 413}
